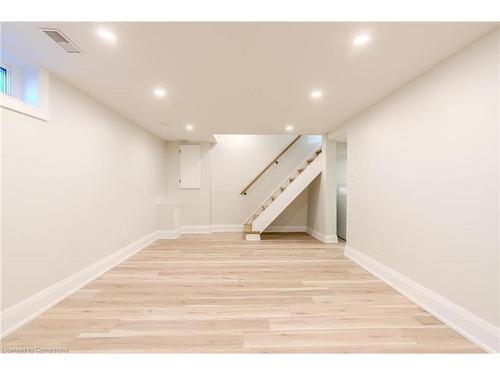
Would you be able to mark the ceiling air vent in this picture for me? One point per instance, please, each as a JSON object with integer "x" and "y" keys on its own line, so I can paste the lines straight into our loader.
{"x": 58, "y": 37}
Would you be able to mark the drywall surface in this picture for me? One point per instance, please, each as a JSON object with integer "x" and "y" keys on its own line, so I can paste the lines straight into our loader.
{"x": 194, "y": 204}
{"x": 321, "y": 205}
{"x": 227, "y": 167}
{"x": 74, "y": 190}
{"x": 294, "y": 216}
{"x": 423, "y": 179}
{"x": 237, "y": 159}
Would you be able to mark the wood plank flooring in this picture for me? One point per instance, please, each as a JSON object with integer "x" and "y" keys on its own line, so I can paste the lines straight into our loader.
{"x": 288, "y": 293}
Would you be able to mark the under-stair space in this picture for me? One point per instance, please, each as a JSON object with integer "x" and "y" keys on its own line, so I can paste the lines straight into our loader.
{"x": 285, "y": 194}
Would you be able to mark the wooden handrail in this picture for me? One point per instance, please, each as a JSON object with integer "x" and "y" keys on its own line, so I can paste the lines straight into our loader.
{"x": 275, "y": 160}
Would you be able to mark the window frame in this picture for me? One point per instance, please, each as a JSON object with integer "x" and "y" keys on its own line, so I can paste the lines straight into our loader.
{"x": 40, "y": 112}
{"x": 8, "y": 70}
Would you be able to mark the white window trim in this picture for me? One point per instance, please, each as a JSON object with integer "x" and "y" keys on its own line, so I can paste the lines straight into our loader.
{"x": 40, "y": 112}
{"x": 8, "y": 70}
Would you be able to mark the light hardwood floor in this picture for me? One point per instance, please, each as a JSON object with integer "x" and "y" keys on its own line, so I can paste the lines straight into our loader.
{"x": 288, "y": 293}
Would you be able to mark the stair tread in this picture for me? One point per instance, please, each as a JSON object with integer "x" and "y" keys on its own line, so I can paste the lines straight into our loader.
{"x": 248, "y": 226}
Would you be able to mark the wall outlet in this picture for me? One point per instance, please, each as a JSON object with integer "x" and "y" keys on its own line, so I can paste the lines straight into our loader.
{"x": 376, "y": 247}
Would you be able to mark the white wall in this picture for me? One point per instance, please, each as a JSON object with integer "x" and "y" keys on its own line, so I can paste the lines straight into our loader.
{"x": 321, "y": 204}
{"x": 194, "y": 204}
{"x": 227, "y": 167}
{"x": 423, "y": 179}
{"x": 74, "y": 190}
{"x": 237, "y": 159}
{"x": 294, "y": 217}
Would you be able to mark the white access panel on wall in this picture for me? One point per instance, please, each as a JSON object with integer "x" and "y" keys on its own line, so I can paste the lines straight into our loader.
{"x": 189, "y": 166}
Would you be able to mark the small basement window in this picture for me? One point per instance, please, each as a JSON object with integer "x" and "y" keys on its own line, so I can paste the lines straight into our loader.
{"x": 4, "y": 79}
{"x": 23, "y": 86}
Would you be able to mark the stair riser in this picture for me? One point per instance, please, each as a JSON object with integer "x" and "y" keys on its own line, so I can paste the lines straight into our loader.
{"x": 252, "y": 237}
{"x": 282, "y": 189}
{"x": 287, "y": 196}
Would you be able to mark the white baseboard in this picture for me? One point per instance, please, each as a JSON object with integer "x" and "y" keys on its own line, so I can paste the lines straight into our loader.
{"x": 168, "y": 234}
{"x": 226, "y": 228}
{"x": 288, "y": 228}
{"x": 16, "y": 316}
{"x": 215, "y": 228}
{"x": 476, "y": 329}
{"x": 23, "y": 312}
{"x": 198, "y": 229}
{"x": 326, "y": 238}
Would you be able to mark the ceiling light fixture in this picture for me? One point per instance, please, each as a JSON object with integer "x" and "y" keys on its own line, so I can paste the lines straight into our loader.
{"x": 316, "y": 94}
{"x": 361, "y": 39}
{"x": 106, "y": 35}
{"x": 189, "y": 127}
{"x": 159, "y": 92}
{"x": 289, "y": 128}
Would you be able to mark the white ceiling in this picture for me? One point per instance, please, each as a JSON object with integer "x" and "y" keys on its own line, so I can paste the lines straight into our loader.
{"x": 246, "y": 78}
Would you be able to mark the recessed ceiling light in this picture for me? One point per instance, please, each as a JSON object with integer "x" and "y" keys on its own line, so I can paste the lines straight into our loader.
{"x": 289, "y": 128}
{"x": 189, "y": 127}
{"x": 361, "y": 39}
{"x": 159, "y": 92}
{"x": 106, "y": 35}
{"x": 316, "y": 94}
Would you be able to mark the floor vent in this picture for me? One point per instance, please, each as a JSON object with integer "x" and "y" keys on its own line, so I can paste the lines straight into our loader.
{"x": 58, "y": 37}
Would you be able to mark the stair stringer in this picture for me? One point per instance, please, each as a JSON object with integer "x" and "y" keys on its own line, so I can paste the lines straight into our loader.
{"x": 283, "y": 200}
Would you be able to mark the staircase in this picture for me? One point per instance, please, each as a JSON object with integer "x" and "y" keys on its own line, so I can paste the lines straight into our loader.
{"x": 285, "y": 194}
